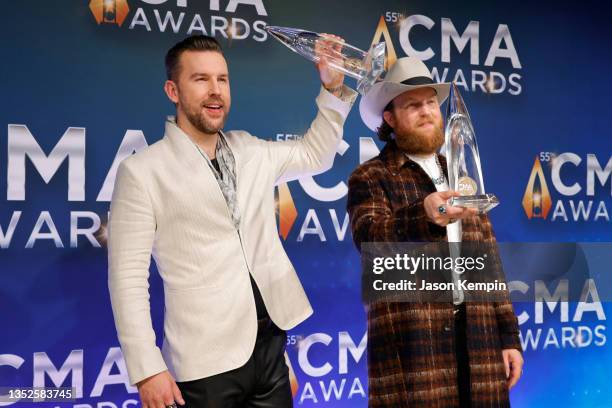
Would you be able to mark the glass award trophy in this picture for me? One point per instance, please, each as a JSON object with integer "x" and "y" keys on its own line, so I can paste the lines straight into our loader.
{"x": 365, "y": 67}
{"x": 464, "y": 170}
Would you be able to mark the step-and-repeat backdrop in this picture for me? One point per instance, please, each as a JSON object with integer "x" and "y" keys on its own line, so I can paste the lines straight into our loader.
{"x": 81, "y": 88}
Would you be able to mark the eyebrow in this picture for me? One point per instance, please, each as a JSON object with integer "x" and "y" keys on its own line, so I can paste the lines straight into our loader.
{"x": 197, "y": 74}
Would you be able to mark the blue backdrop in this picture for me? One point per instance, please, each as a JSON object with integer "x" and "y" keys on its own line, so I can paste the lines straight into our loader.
{"x": 80, "y": 80}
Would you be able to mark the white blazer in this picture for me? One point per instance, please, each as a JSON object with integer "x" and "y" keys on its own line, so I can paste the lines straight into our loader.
{"x": 167, "y": 203}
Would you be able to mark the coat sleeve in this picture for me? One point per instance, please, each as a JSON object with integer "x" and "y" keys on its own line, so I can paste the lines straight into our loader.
{"x": 506, "y": 319}
{"x": 131, "y": 235}
{"x": 508, "y": 325}
{"x": 373, "y": 219}
{"x": 315, "y": 152}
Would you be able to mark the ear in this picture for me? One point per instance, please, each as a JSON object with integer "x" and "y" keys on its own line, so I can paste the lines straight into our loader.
{"x": 172, "y": 91}
{"x": 389, "y": 117}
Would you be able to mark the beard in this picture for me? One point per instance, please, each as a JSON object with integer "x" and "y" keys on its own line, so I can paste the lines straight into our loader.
{"x": 197, "y": 117}
{"x": 420, "y": 141}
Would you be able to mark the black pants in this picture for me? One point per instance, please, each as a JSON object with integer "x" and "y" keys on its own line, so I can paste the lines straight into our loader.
{"x": 263, "y": 382}
{"x": 461, "y": 352}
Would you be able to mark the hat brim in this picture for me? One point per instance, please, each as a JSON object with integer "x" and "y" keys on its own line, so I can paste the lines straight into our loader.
{"x": 372, "y": 104}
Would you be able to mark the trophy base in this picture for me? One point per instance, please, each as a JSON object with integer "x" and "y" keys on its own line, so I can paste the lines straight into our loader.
{"x": 484, "y": 202}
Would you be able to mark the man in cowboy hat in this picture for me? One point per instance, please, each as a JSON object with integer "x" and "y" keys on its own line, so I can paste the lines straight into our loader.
{"x": 425, "y": 354}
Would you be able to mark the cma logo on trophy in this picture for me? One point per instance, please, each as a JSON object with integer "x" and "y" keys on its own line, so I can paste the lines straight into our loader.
{"x": 109, "y": 11}
{"x": 577, "y": 182}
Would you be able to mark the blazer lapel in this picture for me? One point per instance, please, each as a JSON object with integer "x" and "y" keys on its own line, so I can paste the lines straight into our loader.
{"x": 198, "y": 170}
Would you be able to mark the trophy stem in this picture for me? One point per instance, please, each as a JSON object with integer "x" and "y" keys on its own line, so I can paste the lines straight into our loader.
{"x": 463, "y": 158}
{"x": 365, "y": 67}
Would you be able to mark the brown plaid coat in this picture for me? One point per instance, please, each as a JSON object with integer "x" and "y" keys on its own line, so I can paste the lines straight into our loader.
{"x": 411, "y": 346}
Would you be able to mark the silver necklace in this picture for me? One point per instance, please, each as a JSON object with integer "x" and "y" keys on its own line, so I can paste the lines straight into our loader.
{"x": 438, "y": 180}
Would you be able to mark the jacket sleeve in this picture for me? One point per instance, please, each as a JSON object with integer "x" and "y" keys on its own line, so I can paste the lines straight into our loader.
{"x": 131, "y": 234}
{"x": 314, "y": 153}
{"x": 506, "y": 320}
{"x": 508, "y": 326}
{"x": 373, "y": 219}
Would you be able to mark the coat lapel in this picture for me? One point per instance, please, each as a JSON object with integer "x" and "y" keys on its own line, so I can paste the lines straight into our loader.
{"x": 186, "y": 152}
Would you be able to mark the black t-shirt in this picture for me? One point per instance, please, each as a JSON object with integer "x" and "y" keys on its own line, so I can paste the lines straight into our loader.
{"x": 215, "y": 164}
{"x": 259, "y": 303}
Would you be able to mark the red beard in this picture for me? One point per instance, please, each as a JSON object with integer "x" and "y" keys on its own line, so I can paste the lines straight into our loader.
{"x": 420, "y": 141}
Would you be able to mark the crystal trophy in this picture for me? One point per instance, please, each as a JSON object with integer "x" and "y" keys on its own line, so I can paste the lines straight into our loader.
{"x": 464, "y": 170}
{"x": 365, "y": 67}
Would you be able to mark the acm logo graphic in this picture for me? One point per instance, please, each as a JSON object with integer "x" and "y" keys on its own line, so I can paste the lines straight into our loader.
{"x": 536, "y": 200}
{"x": 109, "y": 11}
{"x": 184, "y": 17}
{"x": 382, "y": 34}
{"x": 286, "y": 212}
{"x": 580, "y": 196}
{"x": 482, "y": 75}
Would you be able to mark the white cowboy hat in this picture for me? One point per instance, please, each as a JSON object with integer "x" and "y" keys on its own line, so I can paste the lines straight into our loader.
{"x": 406, "y": 74}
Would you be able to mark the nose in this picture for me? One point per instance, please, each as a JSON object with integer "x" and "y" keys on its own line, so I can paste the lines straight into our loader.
{"x": 426, "y": 109}
{"x": 214, "y": 88}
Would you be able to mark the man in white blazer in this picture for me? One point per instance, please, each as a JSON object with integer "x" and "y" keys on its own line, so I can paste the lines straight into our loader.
{"x": 201, "y": 201}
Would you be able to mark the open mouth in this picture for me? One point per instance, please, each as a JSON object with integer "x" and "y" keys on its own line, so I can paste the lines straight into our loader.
{"x": 214, "y": 109}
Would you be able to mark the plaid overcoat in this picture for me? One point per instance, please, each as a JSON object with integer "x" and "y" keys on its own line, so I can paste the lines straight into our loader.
{"x": 411, "y": 346}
